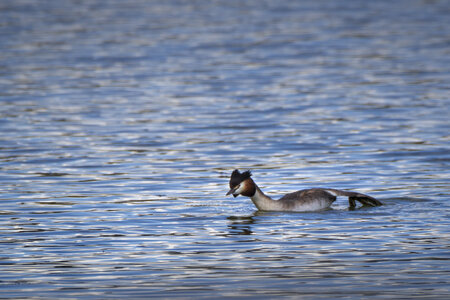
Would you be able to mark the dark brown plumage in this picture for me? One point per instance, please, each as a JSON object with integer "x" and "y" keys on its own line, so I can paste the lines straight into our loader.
{"x": 238, "y": 177}
{"x": 310, "y": 195}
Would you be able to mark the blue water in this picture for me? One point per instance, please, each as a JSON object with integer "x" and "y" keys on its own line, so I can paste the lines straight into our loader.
{"x": 121, "y": 122}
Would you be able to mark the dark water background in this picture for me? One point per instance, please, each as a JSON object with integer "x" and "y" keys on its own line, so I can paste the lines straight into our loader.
{"x": 122, "y": 120}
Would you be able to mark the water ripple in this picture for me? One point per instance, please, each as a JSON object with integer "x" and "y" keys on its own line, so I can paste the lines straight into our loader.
{"x": 121, "y": 123}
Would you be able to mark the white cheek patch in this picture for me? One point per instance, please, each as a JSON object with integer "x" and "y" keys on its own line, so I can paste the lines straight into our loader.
{"x": 240, "y": 189}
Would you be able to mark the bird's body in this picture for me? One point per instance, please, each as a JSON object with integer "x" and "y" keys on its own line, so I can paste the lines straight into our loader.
{"x": 304, "y": 200}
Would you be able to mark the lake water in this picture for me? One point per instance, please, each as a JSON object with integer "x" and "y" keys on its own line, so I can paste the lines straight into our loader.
{"x": 121, "y": 122}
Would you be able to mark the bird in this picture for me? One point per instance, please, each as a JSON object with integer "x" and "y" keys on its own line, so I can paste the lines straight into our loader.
{"x": 313, "y": 199}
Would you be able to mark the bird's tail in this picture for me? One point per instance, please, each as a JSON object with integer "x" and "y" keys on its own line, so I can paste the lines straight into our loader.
{"x": 364, "y": 199}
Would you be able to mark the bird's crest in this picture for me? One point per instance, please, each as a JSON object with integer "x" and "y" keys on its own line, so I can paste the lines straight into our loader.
{"x": 237, "y": 177}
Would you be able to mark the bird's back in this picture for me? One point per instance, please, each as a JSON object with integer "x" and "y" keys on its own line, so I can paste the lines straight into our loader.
{"x": 307, "y": 200}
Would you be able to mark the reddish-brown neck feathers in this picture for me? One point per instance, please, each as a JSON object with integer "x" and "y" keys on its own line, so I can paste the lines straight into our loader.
{"x": 250, "y": 188}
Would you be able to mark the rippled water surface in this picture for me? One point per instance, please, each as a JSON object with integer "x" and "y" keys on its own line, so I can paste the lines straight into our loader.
{"x": 121, "y": 122}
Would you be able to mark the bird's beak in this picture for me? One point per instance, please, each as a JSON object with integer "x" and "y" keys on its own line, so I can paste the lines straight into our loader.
{"x": 232, "y": 191}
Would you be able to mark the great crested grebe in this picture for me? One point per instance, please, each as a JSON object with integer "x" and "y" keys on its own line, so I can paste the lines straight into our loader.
{"x": 303, "y": 200}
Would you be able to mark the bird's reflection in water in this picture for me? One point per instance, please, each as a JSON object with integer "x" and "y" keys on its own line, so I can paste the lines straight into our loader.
{"x": 242, "y": 225}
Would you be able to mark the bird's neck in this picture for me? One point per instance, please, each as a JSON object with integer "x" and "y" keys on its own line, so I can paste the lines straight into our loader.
{"x": 263, "y": 202}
